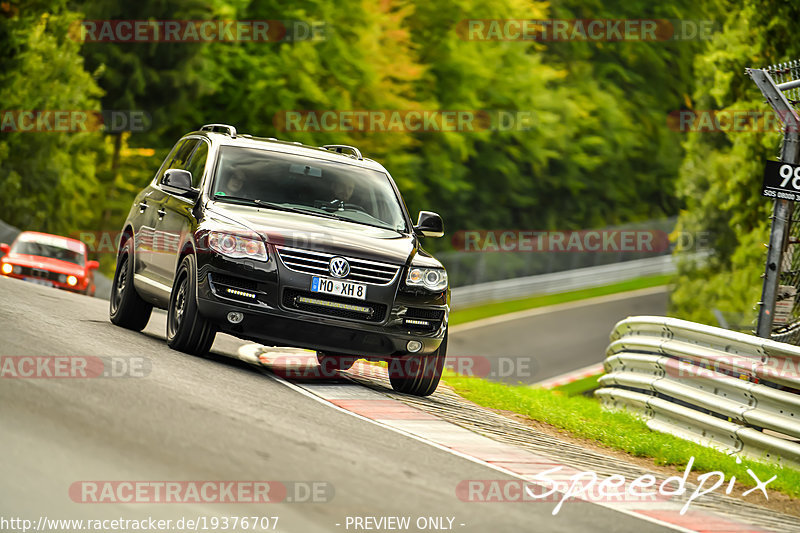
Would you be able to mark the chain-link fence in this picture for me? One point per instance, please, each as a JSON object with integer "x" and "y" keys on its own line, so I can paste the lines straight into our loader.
{"x": 779, "y": 316}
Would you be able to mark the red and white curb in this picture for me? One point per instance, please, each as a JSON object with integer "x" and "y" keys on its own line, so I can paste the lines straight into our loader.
{"x": 570, "y": 377}
{"x": 378, "y": 408}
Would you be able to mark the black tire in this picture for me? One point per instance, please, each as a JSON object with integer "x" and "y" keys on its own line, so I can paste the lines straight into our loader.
{"x": 126, "y": 308}
{"x": 418, "y": 375}
{"x": 187, "y": 330}
{"x": 330, "y": 362}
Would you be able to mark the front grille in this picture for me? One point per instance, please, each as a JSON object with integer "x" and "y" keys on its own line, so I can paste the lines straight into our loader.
{"x": 316, "y": 263}
{"x": 423, "y": 319}
{"x": 375, "y": 312}
{"x": 39, "y": 273}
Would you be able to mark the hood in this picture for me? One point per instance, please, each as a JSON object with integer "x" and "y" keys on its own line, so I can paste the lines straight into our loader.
{"x": 296, "y": 230}
{"x": 45, "y": 263}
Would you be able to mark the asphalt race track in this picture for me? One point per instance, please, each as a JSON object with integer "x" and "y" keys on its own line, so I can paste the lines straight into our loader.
{"x": 215, "y": 418}
{"x": 548, "y": 342}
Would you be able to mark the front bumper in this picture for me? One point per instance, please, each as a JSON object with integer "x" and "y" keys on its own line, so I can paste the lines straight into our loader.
{"x": 50, "y": 279}
{"x": 267, "y": 295}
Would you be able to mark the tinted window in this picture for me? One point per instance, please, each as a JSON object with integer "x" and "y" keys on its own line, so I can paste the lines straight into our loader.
{"x": 197, "y": 163}
{"x": 165, "y": 164}
{"x": 316, "y": 186}
{"x": 181, "y": 156}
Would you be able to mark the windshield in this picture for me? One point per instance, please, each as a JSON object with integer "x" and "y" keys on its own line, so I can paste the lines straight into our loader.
{"x": 48, "y": 250}
{"x": 312, "y": 186}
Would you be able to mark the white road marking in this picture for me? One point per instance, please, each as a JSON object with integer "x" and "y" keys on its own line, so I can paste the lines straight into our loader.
{"x": 247, "y": 353}
{"x": 569, "y": 377}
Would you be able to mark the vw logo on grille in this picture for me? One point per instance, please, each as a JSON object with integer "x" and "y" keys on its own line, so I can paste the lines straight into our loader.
{"x": 339, "y": 267}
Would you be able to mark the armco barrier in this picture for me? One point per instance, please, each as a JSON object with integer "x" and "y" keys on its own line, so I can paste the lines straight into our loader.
{"x": 716, "y": 387}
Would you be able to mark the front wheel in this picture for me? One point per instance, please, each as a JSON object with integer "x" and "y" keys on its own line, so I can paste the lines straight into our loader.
{"x": 187, "y": 330}
{"x": 126, "y": 307}
{"x": 418, "y": 375}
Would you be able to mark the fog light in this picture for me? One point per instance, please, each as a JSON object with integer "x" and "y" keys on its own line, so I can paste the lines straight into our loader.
{"x": 72, "y": 281}
{"x": 237, "y": 292}
{"x": 235, "y": 317}
{"x": 7, "y": 268}
{"x": 414, "y": 346}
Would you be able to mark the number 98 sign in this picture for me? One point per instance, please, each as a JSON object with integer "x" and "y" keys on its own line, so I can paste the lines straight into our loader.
{"x": 781, "y": 181}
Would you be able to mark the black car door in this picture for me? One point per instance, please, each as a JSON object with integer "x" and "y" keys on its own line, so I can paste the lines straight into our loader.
{"x": 166, "y": 230}
{"x": 144, "y": 225}
{"x": 175, "y": 214}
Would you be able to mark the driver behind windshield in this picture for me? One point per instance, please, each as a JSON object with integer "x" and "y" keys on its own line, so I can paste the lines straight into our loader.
{"x": 342, "y": 188}
{"x": 234, "y": 185}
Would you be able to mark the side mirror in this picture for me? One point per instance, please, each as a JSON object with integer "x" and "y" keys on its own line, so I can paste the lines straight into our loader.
{"x": 177, "y": 181}
{"x": 92, "y": 265}
{"x": 4, "y": 248}
{"x": 429, "y": 225}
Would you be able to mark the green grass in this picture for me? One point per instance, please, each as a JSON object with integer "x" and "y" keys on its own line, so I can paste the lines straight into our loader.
{"x": 580, "y": 386}
{"x": 461, "y": 316}
{"x": 584, "y": 418}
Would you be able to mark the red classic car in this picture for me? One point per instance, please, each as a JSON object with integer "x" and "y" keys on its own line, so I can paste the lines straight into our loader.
{"x": 49, "y": 260}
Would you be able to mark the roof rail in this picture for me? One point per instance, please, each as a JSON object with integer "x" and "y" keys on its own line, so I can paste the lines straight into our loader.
{"x": 340, "y": 149}
{"x": 220, "y": 128}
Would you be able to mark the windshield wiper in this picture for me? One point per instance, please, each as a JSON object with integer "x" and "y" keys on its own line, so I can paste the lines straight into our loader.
{"x": 270, "y": 205}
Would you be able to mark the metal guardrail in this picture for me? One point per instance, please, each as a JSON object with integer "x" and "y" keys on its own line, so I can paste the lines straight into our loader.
{"x": 720, "y": 388}
{"x": 568, "y": 280}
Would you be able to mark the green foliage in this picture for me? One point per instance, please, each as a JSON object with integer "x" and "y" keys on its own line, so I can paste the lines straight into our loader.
{"x": 596, "y": 153}
{"x": 48, "y": 178}
{"x": 721, "y": 175}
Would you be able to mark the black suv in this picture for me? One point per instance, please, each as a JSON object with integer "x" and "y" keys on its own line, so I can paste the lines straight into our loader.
{"x": 289, "y": 245}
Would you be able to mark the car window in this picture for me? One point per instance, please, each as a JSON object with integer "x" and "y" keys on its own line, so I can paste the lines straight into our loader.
{"x": 181, "y": 155}
{"x": 317, "y": 186}
{"x": 49, "y": 250}
{"x": 167, "y": 160}
{"x": 197, "y": 164}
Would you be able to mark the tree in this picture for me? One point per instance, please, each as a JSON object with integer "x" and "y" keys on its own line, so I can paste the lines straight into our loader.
{"x": 49, "y": 180}
{"x": 721, "y": 175}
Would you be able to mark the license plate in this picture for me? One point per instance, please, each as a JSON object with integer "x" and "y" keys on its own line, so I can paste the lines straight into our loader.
{"x": 338, "y": 287}
{"x": 38, "y": 281}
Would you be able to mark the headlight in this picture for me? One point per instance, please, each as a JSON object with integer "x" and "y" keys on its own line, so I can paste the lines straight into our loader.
{"x": 236, "y": 247}
{"x": 7, "y": 268}
{"x": 72, "y": 281}
{"x": 433, "y": 279}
